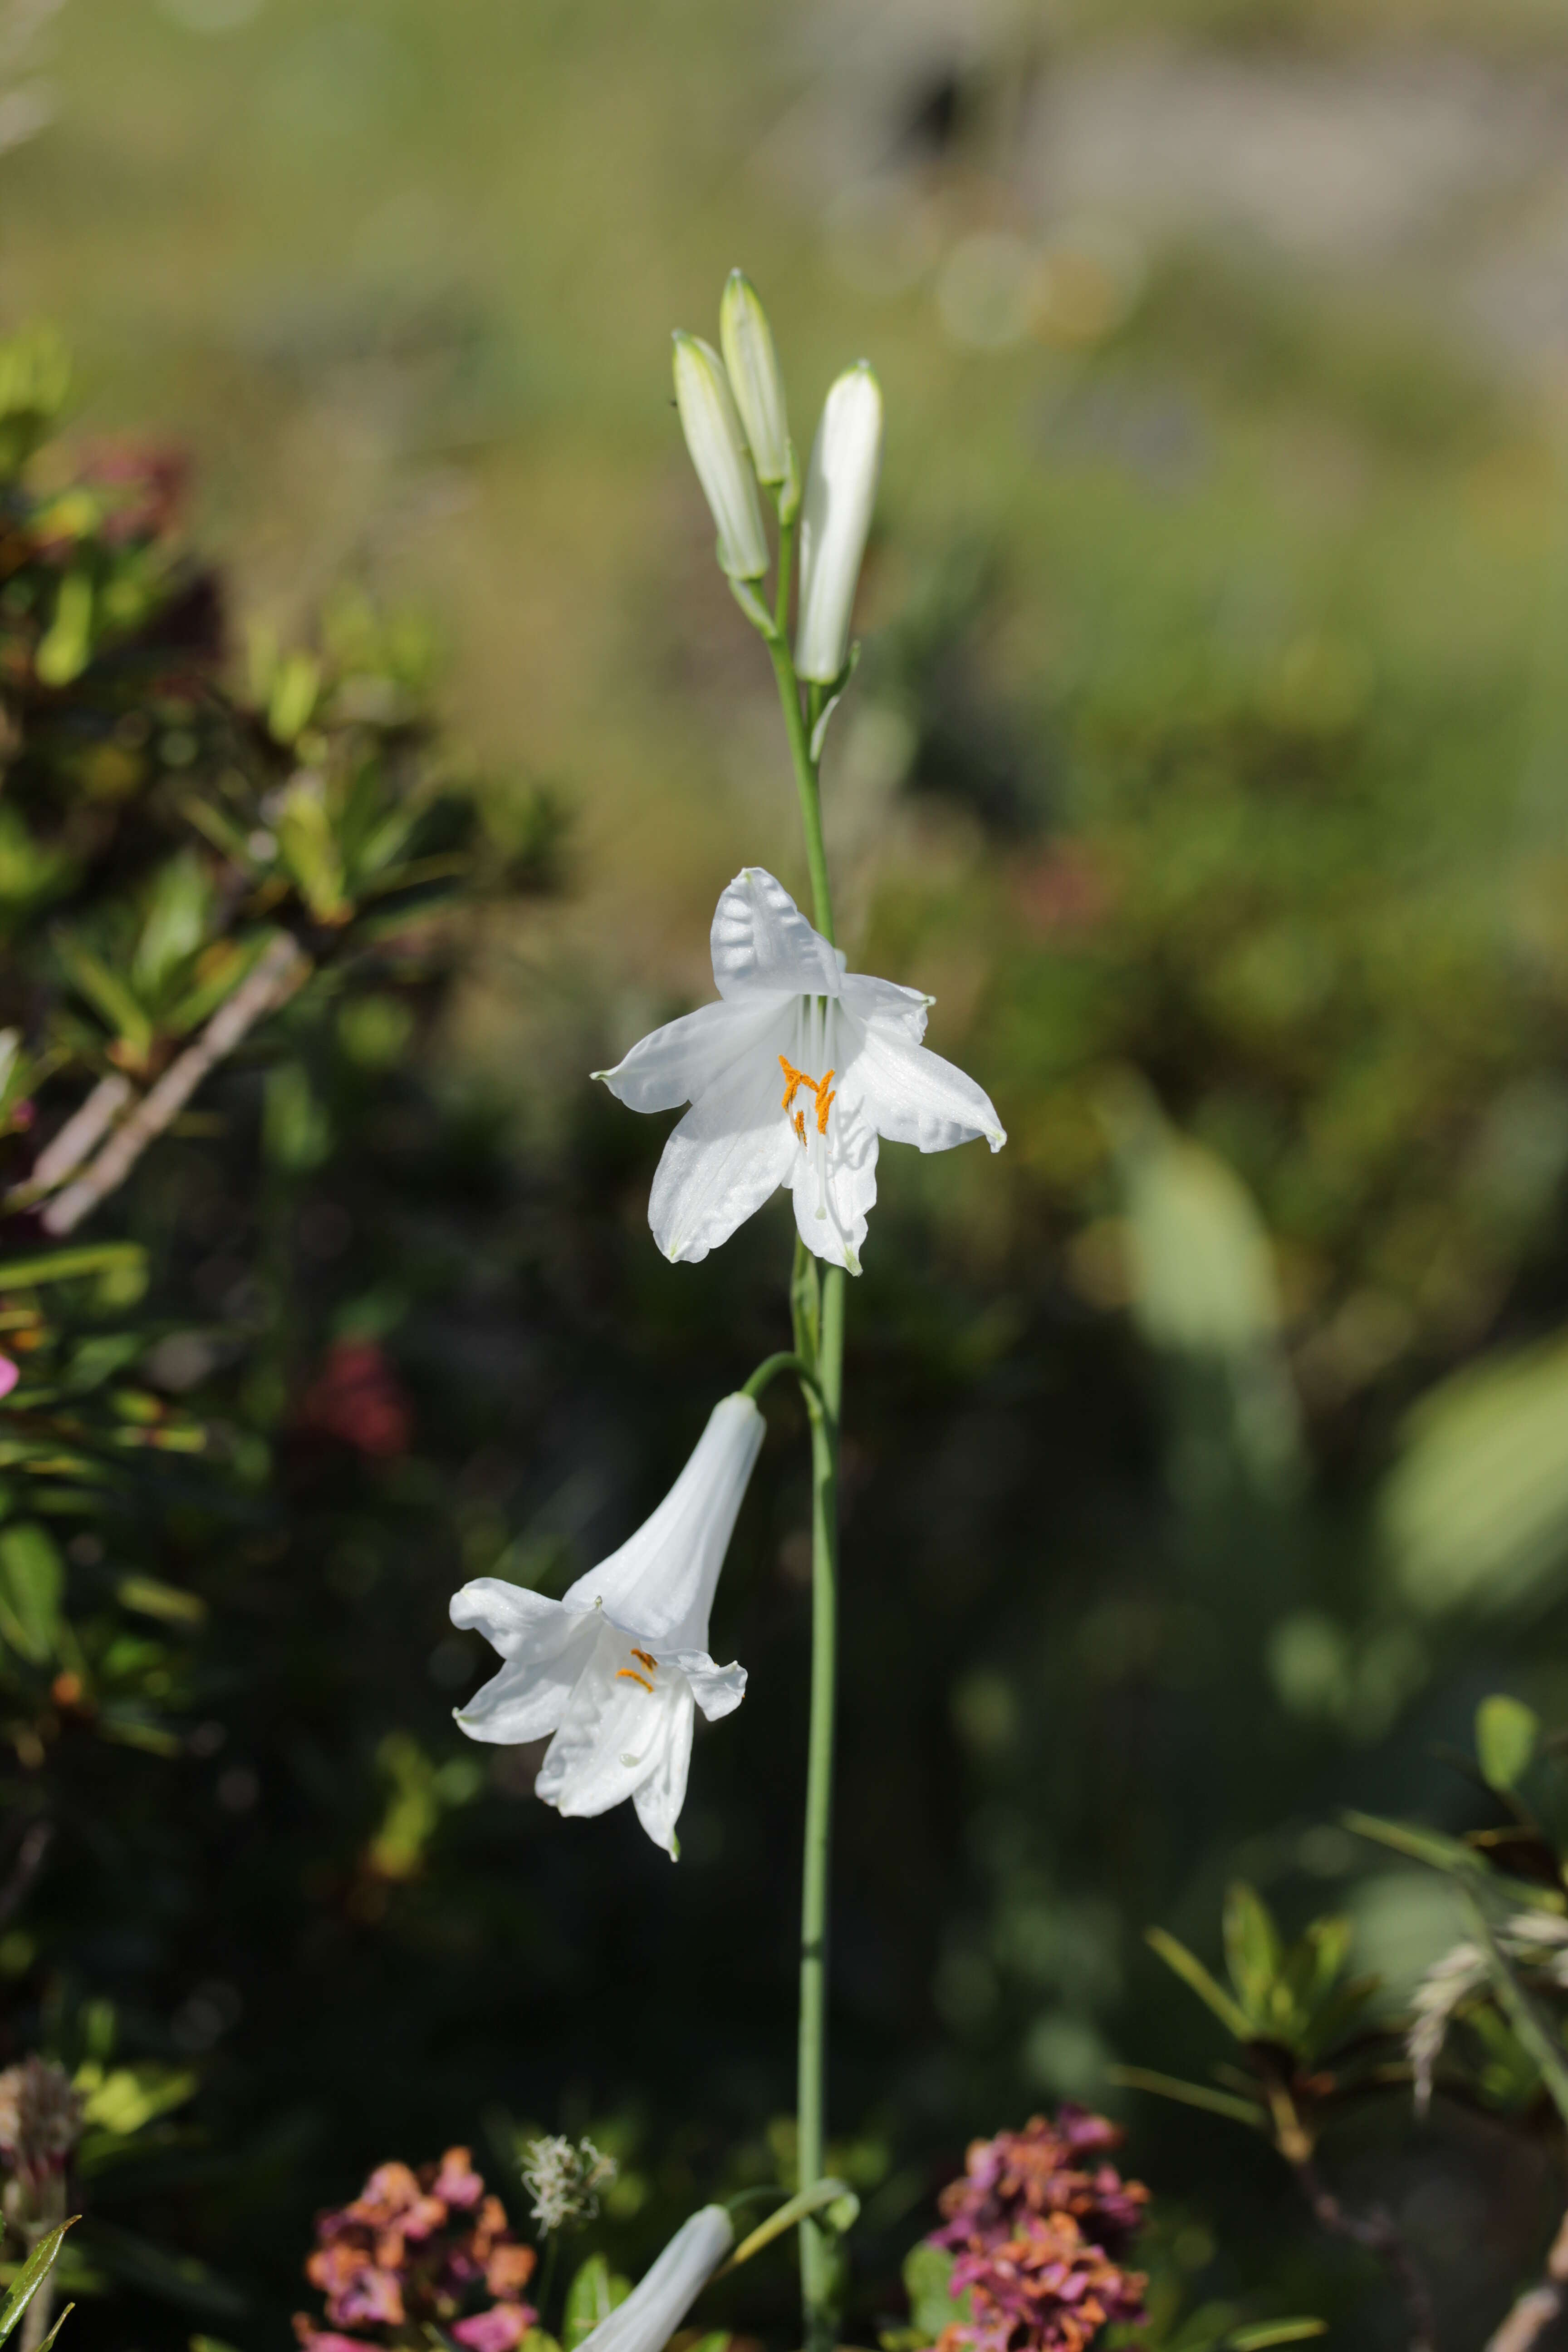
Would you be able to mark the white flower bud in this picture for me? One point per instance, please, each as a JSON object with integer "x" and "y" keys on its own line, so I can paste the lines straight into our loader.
{"x": 835, "y": 515}
{"x": 718, "y": 447}
{"x": 754, "y": 379}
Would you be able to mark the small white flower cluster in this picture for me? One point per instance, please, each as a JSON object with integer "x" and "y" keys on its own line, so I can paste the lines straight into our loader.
{"x": 563, "y": 2179}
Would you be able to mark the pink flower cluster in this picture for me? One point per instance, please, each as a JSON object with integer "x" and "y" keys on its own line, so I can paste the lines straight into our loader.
{"x": 1037, "y": 2228}
{"x": 416, "y": 2246}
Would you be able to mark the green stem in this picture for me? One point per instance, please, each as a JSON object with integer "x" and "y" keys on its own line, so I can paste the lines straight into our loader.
{"x": 823, "y": 1347}
{"x": 770, "y": 1367}
{"x": 816, "y": 2263}
{"x": 805, "y": 782}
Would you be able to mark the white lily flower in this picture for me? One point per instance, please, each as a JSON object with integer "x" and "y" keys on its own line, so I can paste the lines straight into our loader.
{"x": 759, "y": 1117}
{"x": 752, "y": 364}
{"x": 835, "y": 516}
{"x": 662, "y": 2297}
{"x": 614, "y": 1669}
{"x": 717, "y": 442}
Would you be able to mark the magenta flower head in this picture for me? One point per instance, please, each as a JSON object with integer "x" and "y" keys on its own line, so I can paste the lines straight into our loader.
{"x": 1037, "y": 2228}
{"x": 417, "y": 2248}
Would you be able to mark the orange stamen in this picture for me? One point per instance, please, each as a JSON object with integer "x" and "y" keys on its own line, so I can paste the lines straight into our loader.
{"x": 630, "y": 1675}
{"x": 821, "y": 1087}
{"x": 648, "y": 1662}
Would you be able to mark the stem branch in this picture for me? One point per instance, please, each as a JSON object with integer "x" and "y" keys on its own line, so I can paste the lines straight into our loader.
{"x": 1377, "y": 2234}
{"x": 275, "y": 978}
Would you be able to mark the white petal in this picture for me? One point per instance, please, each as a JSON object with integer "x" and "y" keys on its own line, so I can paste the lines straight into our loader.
{"x": 761, "y": 941}
{"x": 716, "y": 443}
{"x": 545, "y": 1645}
{"x": 904, "y": 1010}
{"x": 917, "y": 1098}
{"x": 730, "y": 1154}
{"x": 661, "y": 1797}
{"x": 613, "y": 1734}
{"x": 718, "y": 1690}
{"x": 675, "y": 1064}
{"x": 834, "y": 1175}
{"x": 835, "y": 516}
{"x": 662, "y": 2297}
{"x": 659, "y": 1586}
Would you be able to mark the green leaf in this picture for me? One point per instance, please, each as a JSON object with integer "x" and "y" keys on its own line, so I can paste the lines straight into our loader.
{"x": 928, "y": 2280}
{"x": 66, "y": 1265}
{"x": 32, "y": 1584}
{"x": 1265, "y": 2332}
{"x": 594, "y": 2293}
{"x": 55, "y": 2330}
{"x": 1190, "y": 2094}
{"x": 155, "y": 1599}
{"x": 175, "y": 926}
{"x": 309, "y": 850}
{"x": 1192, "y": 1971}
{"x": 1430, "y": 1846}
{"x": 110, "y": 996}
{"x": 1475, "y": 1513}
{"x": 31, "y": 2276}
{"x": 1253, "y": 1952}
{"x": 1507, "y": 1732}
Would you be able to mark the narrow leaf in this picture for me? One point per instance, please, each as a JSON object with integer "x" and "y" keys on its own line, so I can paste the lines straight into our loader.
{"x": 31, "y": 2276}
{"x": 55, "y": 2330}
{"x": 1429, "y": 1846}
{"x": 1274, "y": 2331}
{"x": 1192, "y": 1971}
{"x": 1190, "y": 2094}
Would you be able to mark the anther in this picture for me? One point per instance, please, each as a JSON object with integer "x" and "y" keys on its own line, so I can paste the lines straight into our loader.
{"x": 647, "y": 1661}
{"x": 825, "y": 1096}
{"x": 798, "y": 1123}
{"x": 630, "y": 1675}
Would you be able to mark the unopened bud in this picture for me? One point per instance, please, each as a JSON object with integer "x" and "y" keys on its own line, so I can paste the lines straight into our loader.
{"x": 752, "y": 365}
{"x": 711, "y": 425}
{"x": 835, "y": 515}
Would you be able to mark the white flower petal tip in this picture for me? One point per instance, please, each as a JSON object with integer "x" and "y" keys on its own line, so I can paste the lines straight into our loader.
{"x": 834, "y": 520}
{"x": 664, "y": 2294}
{"x": 752, "y": 364}
{"x": 613, "y": 1673}
{"x": 794, "y": 1077}
{"x": 716, "y": 443}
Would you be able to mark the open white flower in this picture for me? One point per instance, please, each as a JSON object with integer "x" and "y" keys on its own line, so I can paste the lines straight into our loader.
{"x": 615, "y": 1668}
{"x": 792, "y": 1077}
{"x": 660, "y": 2300}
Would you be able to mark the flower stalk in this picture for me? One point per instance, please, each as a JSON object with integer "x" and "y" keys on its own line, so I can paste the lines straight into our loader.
{"x": 817, "y": 1298}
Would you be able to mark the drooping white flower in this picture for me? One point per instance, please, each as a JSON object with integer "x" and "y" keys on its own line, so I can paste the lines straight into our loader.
{"x": 752, "y": 364}
{"x": 615, "y": 1668}
{"x": 660, "y": 2300}
{"x": 717, "y": 441}
{"x": 792, "y": 1078}
{"x": 835, "y": 516}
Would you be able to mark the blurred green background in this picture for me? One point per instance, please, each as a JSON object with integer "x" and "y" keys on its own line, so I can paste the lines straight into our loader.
{"x": 1207, "y": 1452}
